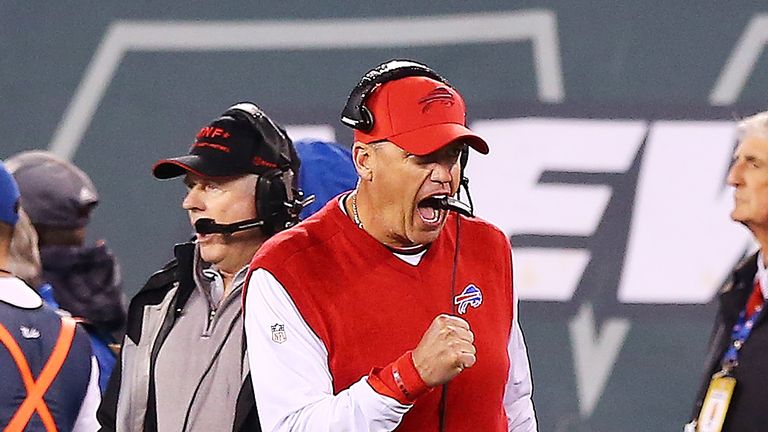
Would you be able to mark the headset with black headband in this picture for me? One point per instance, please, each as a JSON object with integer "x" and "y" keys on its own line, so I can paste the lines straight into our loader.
{"x": 357, "y": 116}
{"x": 278, "y": 198}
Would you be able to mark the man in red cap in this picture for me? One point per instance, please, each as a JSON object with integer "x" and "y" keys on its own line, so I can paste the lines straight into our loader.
{"x": 387, "y": 309}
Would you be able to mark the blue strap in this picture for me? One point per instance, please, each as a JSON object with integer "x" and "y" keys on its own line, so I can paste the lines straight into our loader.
{"x": 739, "y": 335}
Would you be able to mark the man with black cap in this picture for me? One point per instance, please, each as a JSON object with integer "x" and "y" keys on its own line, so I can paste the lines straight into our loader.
{"x": 389, "y": 308}
{"x": 184, "y": 364}
{"x": 49, "y": 377}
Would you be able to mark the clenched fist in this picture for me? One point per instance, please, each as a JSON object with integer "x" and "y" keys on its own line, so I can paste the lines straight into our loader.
{"x": 445, "y": 350}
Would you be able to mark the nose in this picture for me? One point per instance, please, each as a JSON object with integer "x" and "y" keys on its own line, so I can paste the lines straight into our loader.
{"x": 734, "y": 174}
{"x": 443, "y": 171}
{"x": 193, "y": 201}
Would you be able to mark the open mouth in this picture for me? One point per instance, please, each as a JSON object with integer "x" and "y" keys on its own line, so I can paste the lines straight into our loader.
{"x": 430, "y": 210}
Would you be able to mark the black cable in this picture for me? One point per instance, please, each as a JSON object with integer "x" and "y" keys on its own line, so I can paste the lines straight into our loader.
{"x": 208, "y": 368}
{"x": 444, "y": 392}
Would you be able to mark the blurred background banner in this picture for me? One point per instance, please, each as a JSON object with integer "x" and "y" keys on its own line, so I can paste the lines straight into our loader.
{"x": 611, "y": 127}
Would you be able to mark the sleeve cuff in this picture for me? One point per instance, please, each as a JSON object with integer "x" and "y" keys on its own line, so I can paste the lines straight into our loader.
{"x": 399, "y": 380}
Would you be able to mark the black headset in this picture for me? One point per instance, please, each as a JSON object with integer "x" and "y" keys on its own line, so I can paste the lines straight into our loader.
{"x": 278, "y": 198}
{"x": 357, "y": 116}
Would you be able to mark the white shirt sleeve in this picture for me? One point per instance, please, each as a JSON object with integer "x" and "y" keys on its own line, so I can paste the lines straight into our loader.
{"x": 86, "y": 418}
{"x": 289, "y": 368}
{"x": 518, "y": 405}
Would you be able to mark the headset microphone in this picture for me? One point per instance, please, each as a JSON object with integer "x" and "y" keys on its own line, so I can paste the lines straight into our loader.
{"x": 209, "y": 226}
{"x": 448, "y": 203}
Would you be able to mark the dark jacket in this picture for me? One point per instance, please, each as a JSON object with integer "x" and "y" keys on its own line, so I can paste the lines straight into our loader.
{"x": 86, "y": 282}
{"x": 168, "y": 289}
{"x": 748, "y": 410}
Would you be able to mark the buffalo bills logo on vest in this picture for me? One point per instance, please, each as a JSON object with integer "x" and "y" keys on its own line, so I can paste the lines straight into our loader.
{"x": 278, "y": 333}
{"x": 471, "y": 296}
{"x": 440, "y": 95}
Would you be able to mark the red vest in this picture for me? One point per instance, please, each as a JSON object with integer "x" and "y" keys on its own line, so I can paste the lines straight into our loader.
{"x": 369, "y": 307}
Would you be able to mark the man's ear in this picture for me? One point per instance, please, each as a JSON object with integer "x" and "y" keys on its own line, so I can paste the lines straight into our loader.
{"x": 362, "y": 156}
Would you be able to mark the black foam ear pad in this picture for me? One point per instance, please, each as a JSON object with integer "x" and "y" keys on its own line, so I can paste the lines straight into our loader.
{"x": 271, "y": 196}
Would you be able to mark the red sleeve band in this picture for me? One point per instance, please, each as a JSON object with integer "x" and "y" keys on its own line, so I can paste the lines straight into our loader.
{"x": 399, "y": 380}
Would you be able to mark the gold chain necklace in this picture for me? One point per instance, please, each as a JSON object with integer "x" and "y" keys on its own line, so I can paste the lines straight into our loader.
{"x": 355, "y": 214}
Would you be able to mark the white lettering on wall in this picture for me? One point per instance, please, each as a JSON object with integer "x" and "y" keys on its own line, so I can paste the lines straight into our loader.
{"x": 507, "y": 190}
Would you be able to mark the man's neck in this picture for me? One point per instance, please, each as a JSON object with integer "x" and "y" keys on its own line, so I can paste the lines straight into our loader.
{"x": 358, "y": 209}
{"x": 239, "y": 257}
{"x": 228, "y": 278}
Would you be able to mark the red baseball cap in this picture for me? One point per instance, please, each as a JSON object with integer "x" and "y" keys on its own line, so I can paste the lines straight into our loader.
{"x": 419, "y": 115}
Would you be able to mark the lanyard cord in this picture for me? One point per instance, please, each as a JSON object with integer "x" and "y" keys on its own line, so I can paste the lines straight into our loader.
{"x": 444, "y": 393}
{"x": 739, "y": 335}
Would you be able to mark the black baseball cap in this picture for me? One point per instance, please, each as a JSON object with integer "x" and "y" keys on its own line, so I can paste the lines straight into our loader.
{"x": 243, "y": 140}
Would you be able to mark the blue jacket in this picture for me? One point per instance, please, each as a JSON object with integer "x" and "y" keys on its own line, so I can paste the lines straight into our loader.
{"x": 326, "y": 171}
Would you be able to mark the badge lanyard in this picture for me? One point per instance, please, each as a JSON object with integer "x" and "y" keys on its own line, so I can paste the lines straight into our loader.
{"x": 715, "y": 405}
{"x": 739, "y": 335}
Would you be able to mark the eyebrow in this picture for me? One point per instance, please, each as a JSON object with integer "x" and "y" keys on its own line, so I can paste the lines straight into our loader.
{"x": 751, "y": 158}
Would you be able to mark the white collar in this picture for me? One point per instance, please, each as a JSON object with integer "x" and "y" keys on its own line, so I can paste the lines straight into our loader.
{"x": 17, "y": 293}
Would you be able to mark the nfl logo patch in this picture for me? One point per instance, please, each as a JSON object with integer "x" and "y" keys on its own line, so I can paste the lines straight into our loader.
{"x": 471, "y": 296}
{"x": 278, "y": 333}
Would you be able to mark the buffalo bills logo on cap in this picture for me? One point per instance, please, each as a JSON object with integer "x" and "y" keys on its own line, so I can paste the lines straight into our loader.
{"x": 471, "y": 296}
{"x": 438, "y": 95}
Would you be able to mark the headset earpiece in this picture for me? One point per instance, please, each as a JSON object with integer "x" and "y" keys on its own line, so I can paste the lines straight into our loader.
{"x": 355, "y": 113}
{"x": 271, "y": 196}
